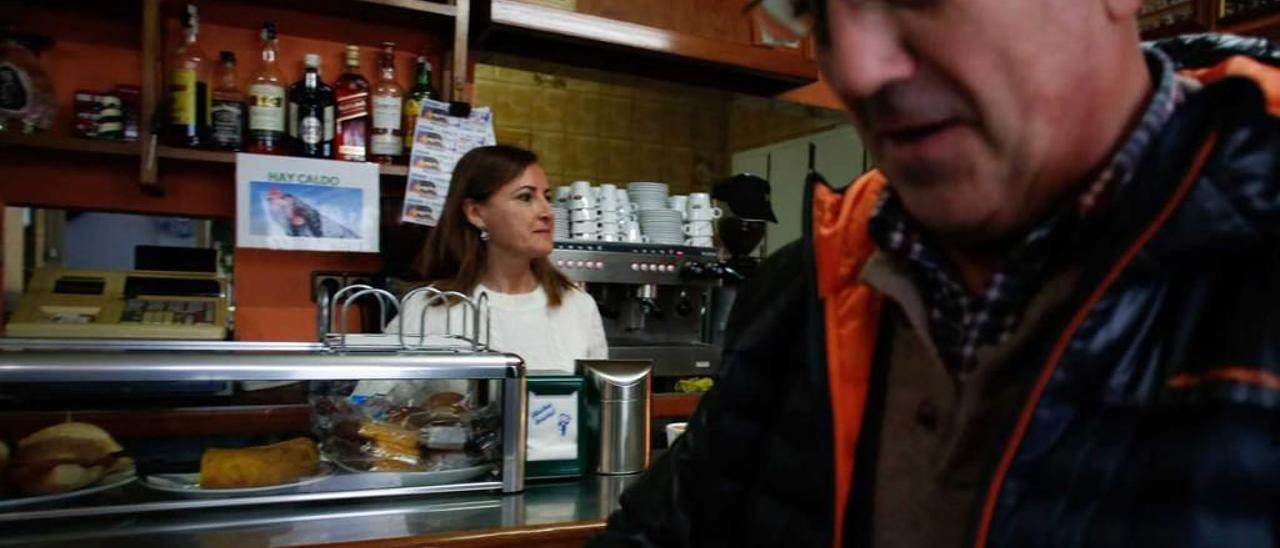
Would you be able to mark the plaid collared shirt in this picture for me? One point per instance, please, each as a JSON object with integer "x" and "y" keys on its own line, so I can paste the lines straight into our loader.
{"x": 961, "y": 322}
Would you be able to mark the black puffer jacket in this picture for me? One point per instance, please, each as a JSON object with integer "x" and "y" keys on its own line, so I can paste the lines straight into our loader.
{"x": 1158, "y": 426}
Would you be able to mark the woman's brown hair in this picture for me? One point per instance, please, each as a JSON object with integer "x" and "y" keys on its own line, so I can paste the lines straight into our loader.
{"x": 454, "y": 256}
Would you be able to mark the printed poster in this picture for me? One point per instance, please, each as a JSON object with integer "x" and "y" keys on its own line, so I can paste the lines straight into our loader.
{"x": 439, "y": 141}
{"x": 306, "y": 204}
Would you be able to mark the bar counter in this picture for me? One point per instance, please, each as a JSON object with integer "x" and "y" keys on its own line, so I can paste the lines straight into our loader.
{"x": 562, "y": 513}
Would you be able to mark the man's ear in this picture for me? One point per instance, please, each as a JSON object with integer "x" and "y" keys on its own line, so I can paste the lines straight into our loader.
{"x": 1122, "y": 9}
{"x": 471, "y": 209}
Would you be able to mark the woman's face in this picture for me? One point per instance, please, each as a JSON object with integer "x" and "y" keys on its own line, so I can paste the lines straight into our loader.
{"x": 518, "y": 216}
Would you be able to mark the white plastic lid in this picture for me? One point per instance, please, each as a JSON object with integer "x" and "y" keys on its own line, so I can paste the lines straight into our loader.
{"x": 312, "y": 60}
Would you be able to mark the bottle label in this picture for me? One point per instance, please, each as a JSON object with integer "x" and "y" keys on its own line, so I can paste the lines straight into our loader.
{"x": 386, "y": 113}
{"x": 14, "y": 88}
{"x": 228, "y": 119}
{"x": 385, "y": 137}
{"x": 311, "y": 130}
{"x": 328, "y": 123}
{"x": 353, "y": 106}
{"x": 182, "y": 90}
{"x": 266, "y": 107}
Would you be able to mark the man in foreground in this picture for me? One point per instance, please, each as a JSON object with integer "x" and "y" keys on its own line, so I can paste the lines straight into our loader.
{"x": 1051, "y": 317}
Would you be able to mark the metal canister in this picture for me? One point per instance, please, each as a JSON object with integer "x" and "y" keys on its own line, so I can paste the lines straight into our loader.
{"x": 618, "y": 393}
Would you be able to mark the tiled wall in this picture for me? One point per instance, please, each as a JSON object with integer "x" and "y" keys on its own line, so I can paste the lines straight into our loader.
{"x": 608, "y": 128}
{"x": 611, "y": 128}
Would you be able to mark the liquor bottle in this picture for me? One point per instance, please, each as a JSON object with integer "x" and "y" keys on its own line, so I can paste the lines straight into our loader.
{"x": 267, "y": 100}
{"x": 352, "y": 92}
{"x": 420, "y": 92}
{"x": 386, "y": 142}
{"x": 227, "y": 110}
{"x": 189, "y": 87}
{"x": 311, "y": 113}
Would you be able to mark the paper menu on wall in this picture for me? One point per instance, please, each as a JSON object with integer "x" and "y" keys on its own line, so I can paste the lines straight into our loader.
{"x": 439, "y": 141}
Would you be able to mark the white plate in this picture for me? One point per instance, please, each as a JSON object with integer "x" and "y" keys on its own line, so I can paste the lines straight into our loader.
{"x": 188, "y": 485}
{"x": 421, "y": 479}
{"x": 110, "y": 482}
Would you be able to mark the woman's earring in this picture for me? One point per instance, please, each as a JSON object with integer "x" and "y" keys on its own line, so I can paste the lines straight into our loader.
{"x": 484, "y": 235}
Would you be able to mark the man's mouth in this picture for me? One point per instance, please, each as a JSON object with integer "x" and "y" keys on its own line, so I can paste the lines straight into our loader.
{"x": 915, "y": 134}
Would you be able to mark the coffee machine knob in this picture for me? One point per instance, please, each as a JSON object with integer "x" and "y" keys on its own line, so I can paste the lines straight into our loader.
{"x": 692, "y": 271}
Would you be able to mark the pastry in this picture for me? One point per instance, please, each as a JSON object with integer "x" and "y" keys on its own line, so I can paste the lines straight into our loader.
{"x": 262, "y": 466}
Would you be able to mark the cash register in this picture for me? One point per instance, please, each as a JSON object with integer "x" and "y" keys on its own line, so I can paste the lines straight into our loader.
{"x": 142, "y": 304}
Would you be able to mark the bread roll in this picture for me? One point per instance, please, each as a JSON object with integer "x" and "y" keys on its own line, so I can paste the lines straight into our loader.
{"x": 273, "y": 464}
{"x": 64, "y": 457}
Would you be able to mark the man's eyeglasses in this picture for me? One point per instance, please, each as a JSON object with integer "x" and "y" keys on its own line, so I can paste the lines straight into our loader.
{"x": 785, "y": 19}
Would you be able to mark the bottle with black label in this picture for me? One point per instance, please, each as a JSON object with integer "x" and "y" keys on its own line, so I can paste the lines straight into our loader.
{"x": 189, "y": 87}
{"x": 267, "y": 122}
{"x": 227, "y": 110}
{"x": 311, "y": 111}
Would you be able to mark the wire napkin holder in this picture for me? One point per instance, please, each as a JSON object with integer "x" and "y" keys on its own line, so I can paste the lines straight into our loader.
{"x": 464, "y": 334}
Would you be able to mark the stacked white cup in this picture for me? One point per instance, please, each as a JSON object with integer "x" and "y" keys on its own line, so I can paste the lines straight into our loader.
{"x": 699, "y": 218}
{"x": 609, "y": 217}
{"x": 584, "y": 216}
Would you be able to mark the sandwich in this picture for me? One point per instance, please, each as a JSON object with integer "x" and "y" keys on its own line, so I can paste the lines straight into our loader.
{"x": 65, "y": 457}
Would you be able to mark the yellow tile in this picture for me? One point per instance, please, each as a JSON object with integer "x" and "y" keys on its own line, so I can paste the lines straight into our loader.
{"x": 549, "y": 147}
{"x": 514, "y": 76}
{"x": 582, "y": 113}
{"x": 708, "y": 169}
{"x": 589, "y": 176}
{"x": 582, "y": 84}
{"x": 486, "y": 72}
{"x": 649, "y": 90}
{"x": 554, "y": 180}
{"x": 580, "y": 155}
{"x": 647, "y": 162}
{"x": 514, "y": 137}
{"x": 709, "y": 128}
{"x": 615, "y": 117}
{"x": 678, "y": 121}
{"x": 615, "y": 161}
{"x": 677, "y": 165}
{"x": 486, "y": 93}
{"x": 513, "y": 106}
{"x": 646, "y": 121}
{"x": 617, "y": 86}
{"x": 548, "y": 109}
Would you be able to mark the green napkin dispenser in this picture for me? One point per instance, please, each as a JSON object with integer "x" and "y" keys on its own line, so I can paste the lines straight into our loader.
{"x": 556, "y": 444}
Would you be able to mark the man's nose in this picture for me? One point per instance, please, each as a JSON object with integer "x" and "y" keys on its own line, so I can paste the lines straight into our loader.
{"x": 866, "y": 51}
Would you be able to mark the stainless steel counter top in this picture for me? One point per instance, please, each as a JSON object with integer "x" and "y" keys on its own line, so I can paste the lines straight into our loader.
{"x": 588, "y": 499}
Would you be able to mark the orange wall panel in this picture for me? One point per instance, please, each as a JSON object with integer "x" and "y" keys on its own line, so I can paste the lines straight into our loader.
{"x": 273, "y": 290}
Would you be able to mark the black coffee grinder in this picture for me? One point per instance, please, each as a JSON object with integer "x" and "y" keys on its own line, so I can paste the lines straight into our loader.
{"x": 746, "y": 197}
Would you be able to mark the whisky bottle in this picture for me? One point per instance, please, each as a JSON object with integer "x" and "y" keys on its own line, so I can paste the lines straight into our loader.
{"x": 311, "y": 113}
{"x": 386, "y": 142}
{"x": 352, "y": 94}
{"x": 188, "y": 87}
{"x": 267, "y": 100}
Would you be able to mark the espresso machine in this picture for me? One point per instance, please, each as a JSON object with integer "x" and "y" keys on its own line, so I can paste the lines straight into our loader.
{"x": 655, "y": 300}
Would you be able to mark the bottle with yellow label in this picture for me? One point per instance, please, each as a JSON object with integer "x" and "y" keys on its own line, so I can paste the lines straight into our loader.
{"x": 189, "y": 98}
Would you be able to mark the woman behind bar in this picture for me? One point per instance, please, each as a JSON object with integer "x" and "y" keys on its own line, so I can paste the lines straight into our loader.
{"x": 494, "y": 237}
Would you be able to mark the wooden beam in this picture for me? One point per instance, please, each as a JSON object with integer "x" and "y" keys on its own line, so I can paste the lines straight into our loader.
{"x": 598, "y": 31}
{"x": 148, "y": 173}
{"x": 461, "y": 47}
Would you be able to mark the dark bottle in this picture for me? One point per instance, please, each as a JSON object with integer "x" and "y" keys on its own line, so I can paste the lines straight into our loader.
{"x": 188, "y": 87}
{"x": 353, "y": 110}
{"x": 227, "y": 110}
{"x": 311, "y": 113}
{"x": 420, "y": 92}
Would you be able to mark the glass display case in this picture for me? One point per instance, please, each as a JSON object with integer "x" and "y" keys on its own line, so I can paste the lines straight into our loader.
{"x": 94, "y": 427}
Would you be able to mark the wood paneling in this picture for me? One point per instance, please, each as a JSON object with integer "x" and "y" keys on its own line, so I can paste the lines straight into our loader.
{"x": 713, "y": 19}
{"x": 675, "y": 406}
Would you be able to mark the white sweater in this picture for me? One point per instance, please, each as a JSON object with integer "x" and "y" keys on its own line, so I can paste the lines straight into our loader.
{"x": 546, "y": 338}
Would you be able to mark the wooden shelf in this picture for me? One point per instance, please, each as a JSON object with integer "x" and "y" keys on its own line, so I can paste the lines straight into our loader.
{"x": 1263, "y": 25}
{"x": 421, "y": 6}
{"x": 221, "y": 157}
{"x": 70, "y": 144}
{"x": 531, "y": 30}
